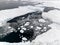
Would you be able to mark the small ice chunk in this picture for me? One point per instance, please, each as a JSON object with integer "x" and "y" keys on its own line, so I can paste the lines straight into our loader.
{"x": 21, "y": 26}
{"x": 24, "y": 28}
{"x": 24, "y": 38}
{"x": 45, "y": 28}
{"x": 18, "y": 28}
{"x": 9, "y": 27}
{"x": 38, "y": 27}
{"x": 11, "y": 31}
{"x": 41, "y": 25}
{"x": 27, "y": 23}
{"x": 22, "y": 31}
{"x": 31, "y": 26}
{"x": 41, "y": 20}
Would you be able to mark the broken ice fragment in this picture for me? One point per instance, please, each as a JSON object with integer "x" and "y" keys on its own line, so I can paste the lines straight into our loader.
{"x": 27, "y": 23}
{"x": 24, "y": 28}
{"x": 24, "y": 38}
{"x": 31, "y": 26}
{"x": 21, "y": 31}
{"x": 21, "y": 26}
{"x": 18, "y": 28}
{"x": 41, "y": 20}
{"x": 38, "y": 27}
{"x": 45, "y": 28}
{"x": 9, "y": 27}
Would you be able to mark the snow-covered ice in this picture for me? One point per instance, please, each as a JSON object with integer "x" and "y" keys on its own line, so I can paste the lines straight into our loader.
{"x": 51, "y": 37}
{"x": 53, "y": 15}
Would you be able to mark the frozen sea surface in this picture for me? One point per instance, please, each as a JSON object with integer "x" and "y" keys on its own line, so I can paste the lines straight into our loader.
{"x": 49, "y": 38}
